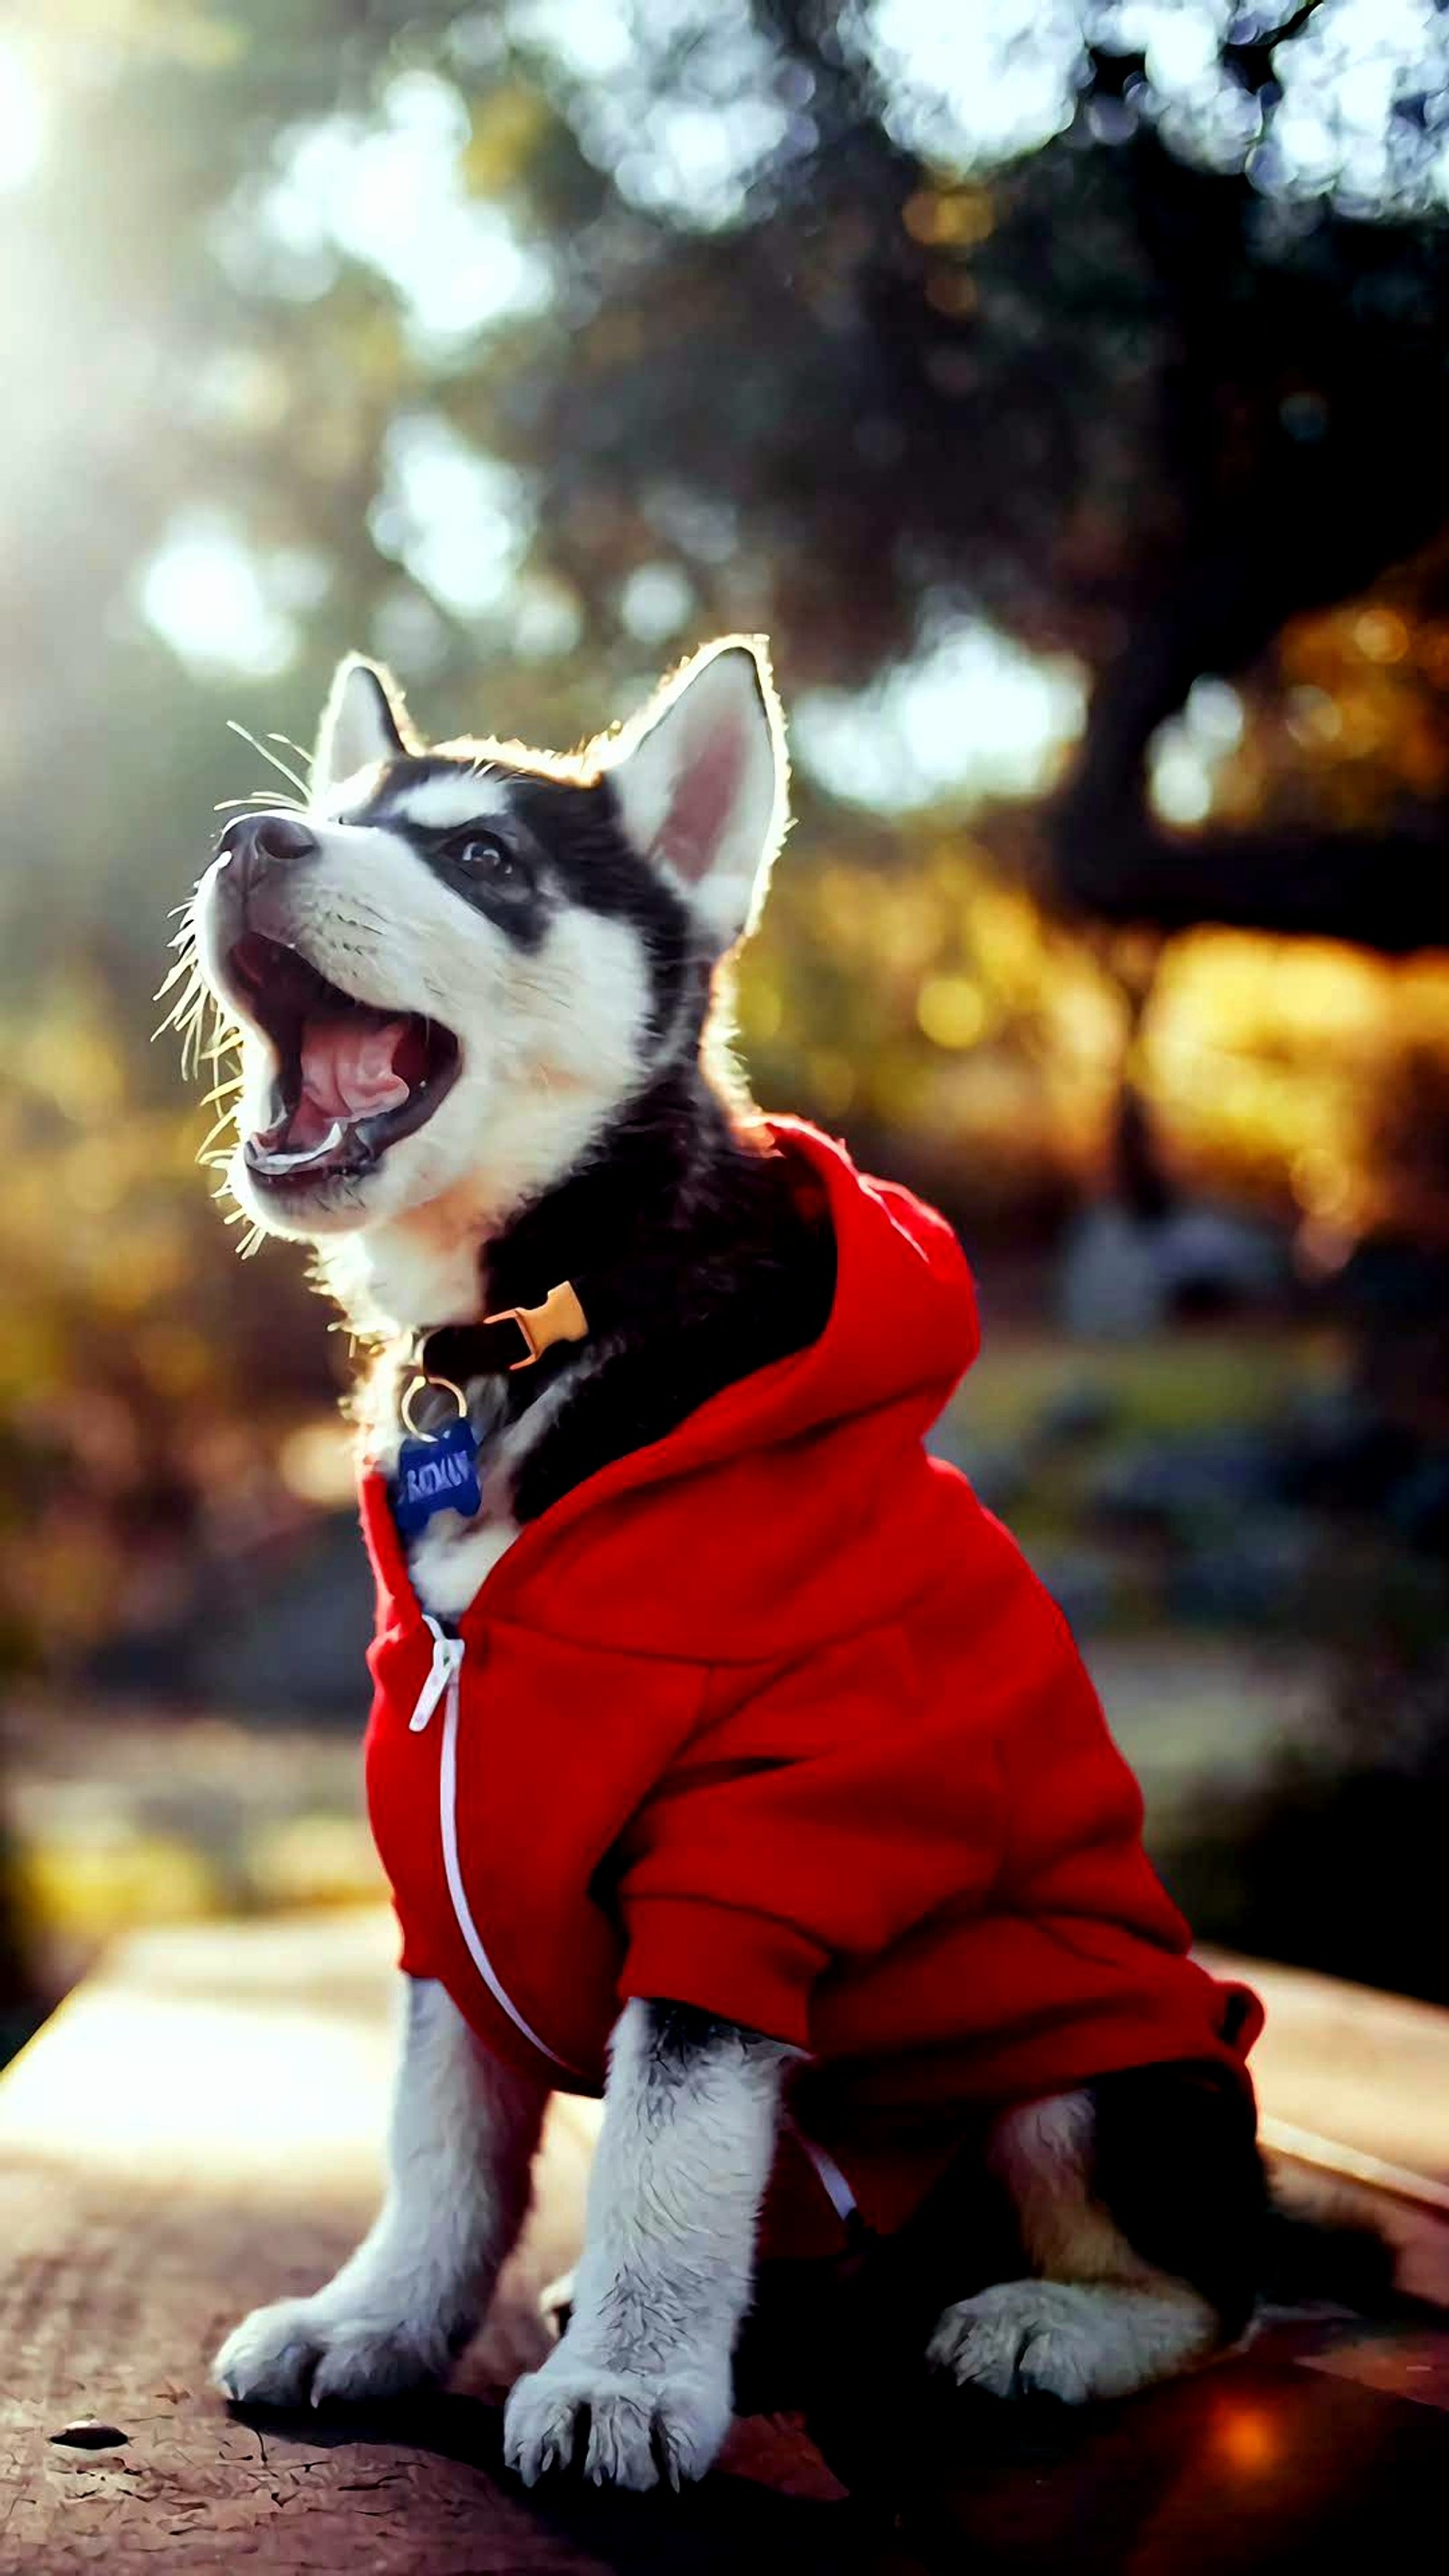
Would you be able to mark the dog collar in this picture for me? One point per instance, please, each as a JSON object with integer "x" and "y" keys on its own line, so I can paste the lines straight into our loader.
{"x": 497, "y": 1345}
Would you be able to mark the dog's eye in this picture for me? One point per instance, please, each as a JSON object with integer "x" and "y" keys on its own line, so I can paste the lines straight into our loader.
{"x": 486, "y": 858}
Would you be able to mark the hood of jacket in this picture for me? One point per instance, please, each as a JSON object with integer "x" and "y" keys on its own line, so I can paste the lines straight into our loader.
{"x": 825, "y": 1435}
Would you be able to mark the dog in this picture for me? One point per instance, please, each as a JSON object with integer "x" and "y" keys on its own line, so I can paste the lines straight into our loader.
{"x": 760, "y": 1754}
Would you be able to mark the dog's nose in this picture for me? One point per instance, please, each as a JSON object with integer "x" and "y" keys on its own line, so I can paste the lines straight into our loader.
{"x": 254, "y": 844}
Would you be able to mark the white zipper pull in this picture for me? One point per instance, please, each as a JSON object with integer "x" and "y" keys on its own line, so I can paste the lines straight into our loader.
{"x": 447, "y": 1663}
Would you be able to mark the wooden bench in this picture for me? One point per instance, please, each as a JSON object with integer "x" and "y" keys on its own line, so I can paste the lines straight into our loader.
{"x": 198, "y": 2129}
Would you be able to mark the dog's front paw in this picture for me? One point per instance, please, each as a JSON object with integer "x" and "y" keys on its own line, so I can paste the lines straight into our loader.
{"x": 623, "y": 2427}
{"x": 320, "y": 2349}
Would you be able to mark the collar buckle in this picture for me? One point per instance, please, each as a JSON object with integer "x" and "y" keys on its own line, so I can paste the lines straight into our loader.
{"x": 560, "y": 1318}
{"x": 447, "y": 1354}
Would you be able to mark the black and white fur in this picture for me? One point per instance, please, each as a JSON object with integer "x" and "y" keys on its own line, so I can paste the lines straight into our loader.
{"x": 569, "y": 923}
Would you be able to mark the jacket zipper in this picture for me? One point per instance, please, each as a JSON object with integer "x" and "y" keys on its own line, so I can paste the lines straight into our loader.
{"x": 444, "y": 1683}
{"x": 828, "y": 2174}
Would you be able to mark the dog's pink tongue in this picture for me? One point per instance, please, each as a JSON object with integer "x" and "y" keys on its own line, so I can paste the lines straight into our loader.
{"x": 347, "y": 1066}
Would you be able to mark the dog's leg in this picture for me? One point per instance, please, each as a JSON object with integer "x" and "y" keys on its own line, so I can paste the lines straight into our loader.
{"x": 1142, "y": 2254}
{"x": 640, "y": 2384}
{"x": 464, "y": 2128}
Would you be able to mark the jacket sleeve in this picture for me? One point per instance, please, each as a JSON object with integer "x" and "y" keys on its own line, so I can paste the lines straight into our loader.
{"x": 414, "y": 1955}
{"x": 814, "y": 1821}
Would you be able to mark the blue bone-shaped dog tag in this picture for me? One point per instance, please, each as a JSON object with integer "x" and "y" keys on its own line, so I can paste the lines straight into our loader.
{"x": 437, "y": 1475}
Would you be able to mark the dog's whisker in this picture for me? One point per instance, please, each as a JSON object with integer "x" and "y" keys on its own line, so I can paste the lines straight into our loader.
{"x": 185, "y": 1018}
{"x": 267, "y": 798}
{"x": 187, "y": 1011}
{"x": 183, "y": 1011}
{"x": 184, "y": 965}
{"x": 283, "y": 767}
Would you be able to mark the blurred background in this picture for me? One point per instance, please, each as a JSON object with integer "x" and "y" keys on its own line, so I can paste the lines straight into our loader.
{"x": 1065, "y": 388}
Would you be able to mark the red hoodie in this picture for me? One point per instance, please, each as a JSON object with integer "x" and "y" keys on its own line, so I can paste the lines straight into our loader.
{"x": 771, "y": 1717}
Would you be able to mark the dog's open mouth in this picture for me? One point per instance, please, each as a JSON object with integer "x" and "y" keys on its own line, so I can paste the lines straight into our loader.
{"x": 351, "y": 1079}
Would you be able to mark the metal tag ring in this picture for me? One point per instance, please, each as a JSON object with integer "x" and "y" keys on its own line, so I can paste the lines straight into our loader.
{"x": 414, "y": 1390}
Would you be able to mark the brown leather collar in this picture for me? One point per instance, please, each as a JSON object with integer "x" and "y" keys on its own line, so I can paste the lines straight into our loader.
{"x": 515, "y": 1338}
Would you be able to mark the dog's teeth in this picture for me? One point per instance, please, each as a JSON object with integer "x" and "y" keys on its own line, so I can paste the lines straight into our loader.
{"x": 276, "y": 1161}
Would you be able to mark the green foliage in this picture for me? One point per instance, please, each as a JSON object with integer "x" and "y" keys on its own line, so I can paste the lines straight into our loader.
{"x": 528, "y": 344}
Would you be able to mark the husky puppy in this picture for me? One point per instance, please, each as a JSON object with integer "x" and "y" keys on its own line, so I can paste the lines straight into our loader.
{"x": 478, "y": 994}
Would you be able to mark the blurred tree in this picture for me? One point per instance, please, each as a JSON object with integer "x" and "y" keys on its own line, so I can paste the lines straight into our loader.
{"x": 774, "y": 325}
{"x": 1009, "y": 361}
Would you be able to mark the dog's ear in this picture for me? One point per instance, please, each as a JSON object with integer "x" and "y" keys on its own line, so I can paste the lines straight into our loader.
{"x": 701, "y": 778}
{"x": 363, "y": 721}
